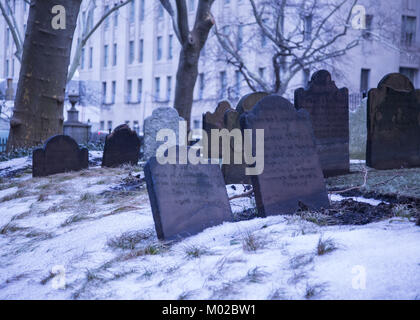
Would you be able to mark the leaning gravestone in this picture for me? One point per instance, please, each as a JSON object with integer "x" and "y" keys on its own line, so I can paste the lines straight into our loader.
{"x": 292, "y": 171}
{"x": 121, "y": 146}
{"x": 186, "y": 198}
{"x": 215, "y": 121}
{"x": 235, "y": 173}
{"x": 60, "y": 154}
{"x": 393, "y": 124}
{"x": 328, "y": 108}
{"x": 161, "y": 118}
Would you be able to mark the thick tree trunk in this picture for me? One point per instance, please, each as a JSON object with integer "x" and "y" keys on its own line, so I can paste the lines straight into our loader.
{"x": 186, "y": 77}
{"x": 38, "y": 110}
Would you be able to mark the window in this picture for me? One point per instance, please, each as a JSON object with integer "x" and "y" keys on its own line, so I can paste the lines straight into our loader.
{"x": 222, "y": 84}
{"x": 141, "y": 51}
{"x": 114, "y": 57}
{"x": 106, "y": 22}
{"x": 132, "y": 10}
{"x": 364, "y": 80}
{"x": 168, "y": 88}
{"x": 110, "y": 126}
{"x": 6, "y": 72}
{"x": 141, "y": 10}
{"x": 307, "y": 28}
{"x": 240, "y": 36}
{"x": 102, "y": 125}
{"x": 139, "y": 90}
{"x": 408, "y": 30}
{"x": 197, "y": 124}
{"x": 261, "y": 72}
{"x": 160, "y": 11}
{"x": 410, "y": 73}
{"x": 116, "y": 14}
{"x": 104, "y": 92}
{"x": 13, "y": 67}
{"x": 129, "y": 90}
{"x": 7, "y": 36}
{"x": 157, "y": 89}
{"x": 366, "y": 33}
{"x": 170, "y": 43}
{"x": 90, "y": 57}
{"x": 131, "y": 52}
{"x": 191, "y": 5}
{"x": 159, "y": 48}
{"x": 113, "y": 91}
{"x": 226, "y": 2}
{"x": 106, "y": 55}
{"x": 237, "y": 83}
{"x": 263, "y": 36}
{"x": 82, "y": 59}
{"x": 200, "y": 86}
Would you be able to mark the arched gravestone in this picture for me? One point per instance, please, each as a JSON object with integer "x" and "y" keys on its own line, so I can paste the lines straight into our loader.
{"x": 121, "y": 146}
{"x": 186, "y": 198}
{"x": 328, "y": 108}
{"x": 393, "y": 124}
{"x": 161, "y": 118}
{"x": 215, "y": 121}
{"x": 235, "y": 173}
{"x": 292, "y": 171}
{"x": 60, "y": 154}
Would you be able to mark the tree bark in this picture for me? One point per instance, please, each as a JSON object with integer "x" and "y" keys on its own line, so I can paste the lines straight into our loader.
{"x": 38, "y": 109}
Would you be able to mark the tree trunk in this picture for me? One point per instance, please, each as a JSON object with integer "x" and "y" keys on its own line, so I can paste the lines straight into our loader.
{"x": 38, "y": 109}
{"x": 186, "y": 77}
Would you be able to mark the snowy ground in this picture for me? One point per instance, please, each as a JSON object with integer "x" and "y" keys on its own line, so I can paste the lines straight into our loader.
{"x": 72, "y": 236}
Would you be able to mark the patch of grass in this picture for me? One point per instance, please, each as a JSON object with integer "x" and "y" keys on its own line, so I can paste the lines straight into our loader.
{"x": 40, "y": 235}
{"x": 325, "y": 246}
{"x": 90, "y": 197}
{"x": 251, "y": 243}
{"x": 151, "y": 249}
{"x": 49, "y": 277}
{"x": 301, "y": 260}
{"x": 277, "y": 294}
{"x": 10, "y": 228}
{"x": 17, "y": 195}
{"x": 129, "y": 240}
{"x": 255, "y": 275}
{"x": 194, "y": 251}
{"x": 403, "y": 211}
{"x": 186, "y": 295}
{"x": 297, "y": 277}
{"x": 77, "y": 217}
{"x": 42, "y": 197}
{"x": 314, "y": 290}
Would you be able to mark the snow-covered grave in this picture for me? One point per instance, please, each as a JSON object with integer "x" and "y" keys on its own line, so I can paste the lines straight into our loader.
{"x": 90, "y": 235}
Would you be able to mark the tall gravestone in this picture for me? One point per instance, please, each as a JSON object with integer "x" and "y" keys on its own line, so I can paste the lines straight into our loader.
{"x": 215, "y": 120}
{"x": 235, "y": 173}
{"x": 393, "y": 124}
{"x": 292, "y": 171}
{"x": 60, "y": 154}
{"x": 121, "y": 146}
{"x": 328, "y": 108}
{"x": 161, "y": 118}
{"x": 186, "y": 198}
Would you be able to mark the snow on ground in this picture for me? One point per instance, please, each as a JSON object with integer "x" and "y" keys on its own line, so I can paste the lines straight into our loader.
{"x": 72, "y": 236}
{"x": 14, "y": 165}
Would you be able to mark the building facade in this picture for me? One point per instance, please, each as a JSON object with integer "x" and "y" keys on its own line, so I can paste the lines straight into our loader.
{"x": 132, "y": 58}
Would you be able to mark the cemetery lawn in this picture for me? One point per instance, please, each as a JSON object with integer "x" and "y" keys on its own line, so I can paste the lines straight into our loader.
{"x": 90, "y": 235}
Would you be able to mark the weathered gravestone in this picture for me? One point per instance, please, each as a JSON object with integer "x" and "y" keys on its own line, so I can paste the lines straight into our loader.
{"x": 121, "y": 146}
{"x": 393, "y": 124}
{"x": 215, "y": 120}
{"x": 161, "y": 118}
{"x": 186, "y": 198}
{"x": 328, "y": 108}
{"x": 60, "y": 154}
{"x": 235, "y": 173}
{"x": 292, "y": 171}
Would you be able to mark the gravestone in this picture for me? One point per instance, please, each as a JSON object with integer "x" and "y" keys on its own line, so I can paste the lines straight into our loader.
{"x": 235, "y": 173}
{"x": 121, "y": 146}
{"x": 292, "y": 171}
{"x": 328, "y": 108}
{"x": 186, "y": 198}
{"x": 60, "y": 154}
{"x": 161, "y": 118}
{"x": 215, "y": 120}
{"x": 393, "y": 124}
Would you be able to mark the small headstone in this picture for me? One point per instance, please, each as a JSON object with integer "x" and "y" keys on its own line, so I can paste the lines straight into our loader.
{"x": 161, "y": 118}
{"x": 60, "y": 154}
{"x": 393, "y": 122}
{"x": 235, "y": 173}
{"x": 215, "y": 121}
{"x": 292, "y": 171}
{"x": 328, "y": 108}
{"x": 121, "y": 146}
{"x": 186, "y": 198}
